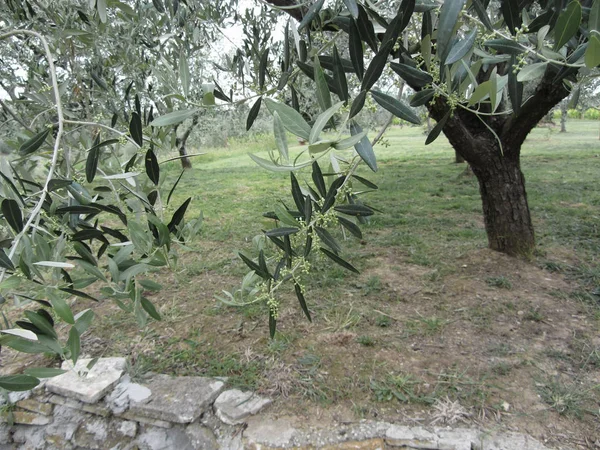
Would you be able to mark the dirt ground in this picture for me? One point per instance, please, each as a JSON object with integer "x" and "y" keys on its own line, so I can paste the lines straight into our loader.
{"x": 490, "y": 341}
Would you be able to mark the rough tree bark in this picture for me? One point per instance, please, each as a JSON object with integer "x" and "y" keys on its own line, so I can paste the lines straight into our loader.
{"x": 180, "y": 142}
{"x": 493, "y": 151}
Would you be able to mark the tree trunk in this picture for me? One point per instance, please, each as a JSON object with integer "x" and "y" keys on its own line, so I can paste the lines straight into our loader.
{"x": 563, "y": 119}
{"x": 185, "y": 161}
{"x": 458, "y": 158}
{"x": 505, "y": 208}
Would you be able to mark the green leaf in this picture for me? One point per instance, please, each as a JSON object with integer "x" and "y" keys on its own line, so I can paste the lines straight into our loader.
{"x": 482, "y": 14}
{"x": 184, "y": 74}
{"x": 92, "y": 160}
{"x": 339, "y": 76}
{"x": 435, "y": 132}
{"x": 322, "y": 120}
{"x": 350, "y": 226}
{"x": 262, "y": 68}
{"x": 173, "y": 188}
{"x": 34, "y": 143}
{"x": 349, "y": 142}
{"x": 101, "y": 7}
{"x": 280, "y": 138}
{"x": 320, "y": 146}
{"x": 150, "y": 309}
{"x": 323, "y": 94}
{"x": 150, "y": 285}
{"x": 291, "y": 119}
{"x": 92, "y": 270}
{"x": 15, "y": 383}
{"x": 25, "y": 345}
{"x": 376, "y": 66}
{"x": 178, "y": 216}
{"x": 594, "y": 20}
{"x": 366, "y": 182}
{"x": 422, "y": 97}
{"x": 396, "y": 107}
{"x": 208, "y": 94}
{"x": 302, "y": 301}
{"x": 285, "y": 217}
{"x": 355, "y": 48}
{"x": 173, "y": 118}
{"x": 62, "y": 309}
{"x": 357, "y": 104}
{"x": 339, "y": 260}
{"x": 411, "y": 75}
{"x": 400, "y": 21}
{"x": 12, "y": 214}
{"x": 135, "y": 129}
{"x": 461, "y": 48}
{"x": 78, "y": 293}
{"x": 74, "y": 344}
{"x": 41, "y": 323}
{"x": 448, "y": 18}
{"x": 310, "y": 14}
{"x": 364, "y": 147}
{"x": 480, "y": 92}
{"x": 158, "y": 5}
{"x": 531, "y": 72}
{"x": 83, "y": 320}
{"x": 354, "y": 210}
{"x": 253, "y": 113}
{"x": 352, "y": 8}
{"x": 5, "y": 261}
{"x": 297, "y": 193}
{"x": 283, "y": 231}
{"x": 152, "y": 169}
{"x": 44, "y": 372}
{"x": 328, "y": 239}
{"x": 515, "y": 89}
{"x": 505, "y": 46}
{"x": 592, "y": 53}
{"x": 365, "y": 28}
{"x": 317, "y": 177}
{"x": 512, "y": 14}
{"x": 266, "y": 164}
{"x": 567, "y": 24}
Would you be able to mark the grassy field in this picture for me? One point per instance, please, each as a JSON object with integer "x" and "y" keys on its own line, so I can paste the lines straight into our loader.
{"x": 436, "y": 328}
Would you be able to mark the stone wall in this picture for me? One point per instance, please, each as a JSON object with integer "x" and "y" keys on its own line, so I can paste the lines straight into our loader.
{"x": 102, "y": 408}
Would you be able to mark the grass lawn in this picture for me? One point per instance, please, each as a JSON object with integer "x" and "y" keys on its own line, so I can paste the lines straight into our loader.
{"x": 435, "y": 329}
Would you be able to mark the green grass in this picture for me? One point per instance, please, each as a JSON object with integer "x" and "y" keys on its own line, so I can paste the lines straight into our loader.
{"x": 374, "y": 340}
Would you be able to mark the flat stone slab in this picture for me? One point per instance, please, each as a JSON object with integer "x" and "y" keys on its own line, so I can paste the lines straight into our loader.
{"x": 272, "y": 433}
{"x": 125, "y": 393}
{"x": 85, "y": 385}
{"x": 233, "y": 406}
{"x": 177, "y": 399}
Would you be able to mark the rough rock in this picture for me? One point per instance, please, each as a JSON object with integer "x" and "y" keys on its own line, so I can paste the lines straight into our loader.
{"x": 85, "y": 385}
{"x": 97, "y": 409}
{"x": 126, "y": 428}
{"x": 124, "y": 393}
{"x": 457, "y": 438}
{"x": 233, "y": 406}
{"x": 201, "y": 437}
{"x": 179, "y": 400}
{"x": 163, "y": 439}
{"x": 35, "y": 406}
{"x": 27, "y": 418}
{"x": 417, "y": 437}
{"x": 274, "y": 433}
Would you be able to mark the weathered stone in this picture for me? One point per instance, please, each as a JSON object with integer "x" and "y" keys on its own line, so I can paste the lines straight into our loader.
{"x": 163, "y": 439}
{"x": 26, "y": 418}
{"x": 94, "y": 434}
{"x": 179, "y": 400}
{"x": 5, "y": 431}
{"x": 34, "y": 405}
{"x": 400, "y": 436}
{"x": 201, "y": 437}
{"x": 273, "y": 433}
{"x": 509, "y": 441}
{"x": 233, "y": 406}
{"x": 456, "y": 439}
{"x": 369, "y": 444}
{"x": 98, "y": 409}
{"x": 85, "y": 385}
{"x": 124, "y": 393}
{"x": 29, "y": 437}
{"x": 66, "y": 421}
{"x": 145, "y": 420}
{"x": 126, "y": 428}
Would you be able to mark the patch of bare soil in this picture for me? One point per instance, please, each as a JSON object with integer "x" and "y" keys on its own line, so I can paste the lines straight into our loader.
{"x": 488, "y": 340}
